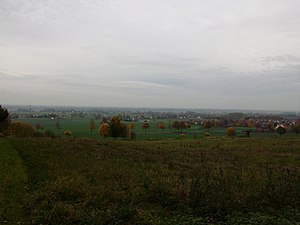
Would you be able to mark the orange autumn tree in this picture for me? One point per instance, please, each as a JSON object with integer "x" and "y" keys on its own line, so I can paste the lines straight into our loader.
{"x": 161, "y": 125}
{"x": 131, "y": 126}
{"x": 130, "y": 132}
{"x": 230, "y": 132}
{"x": 104, "y": 130}
{"x": 251, "y": 123}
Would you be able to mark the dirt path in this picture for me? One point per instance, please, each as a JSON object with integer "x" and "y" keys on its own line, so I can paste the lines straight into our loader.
{"x": 13, "y": 182}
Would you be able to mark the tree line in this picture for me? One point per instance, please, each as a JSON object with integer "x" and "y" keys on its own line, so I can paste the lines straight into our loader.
{"x": 115, "y": 127}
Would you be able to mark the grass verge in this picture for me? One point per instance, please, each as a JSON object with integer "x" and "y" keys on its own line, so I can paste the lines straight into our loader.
{"x": 13, "y": 182}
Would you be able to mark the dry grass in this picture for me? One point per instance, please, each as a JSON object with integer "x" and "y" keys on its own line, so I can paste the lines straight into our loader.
{"x": 207, "y": 181}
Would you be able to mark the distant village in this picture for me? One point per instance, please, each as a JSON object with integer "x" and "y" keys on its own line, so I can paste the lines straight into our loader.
{"x": 256, "y": 121}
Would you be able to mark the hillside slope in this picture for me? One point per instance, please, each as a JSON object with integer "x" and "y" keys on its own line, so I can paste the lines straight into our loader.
{"x": 201, "y": 181}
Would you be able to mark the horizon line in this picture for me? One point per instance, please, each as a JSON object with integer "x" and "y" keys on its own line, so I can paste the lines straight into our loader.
{"x": 156, "y": 107}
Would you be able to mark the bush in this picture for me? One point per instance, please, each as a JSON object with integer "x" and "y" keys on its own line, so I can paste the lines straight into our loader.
{"x": 50, "y": 134}
{"x": 38, "y": 134}
{"x": 67, "y": 133}
{"x": 20, "y": 129}
{"x": 4, "y": 121}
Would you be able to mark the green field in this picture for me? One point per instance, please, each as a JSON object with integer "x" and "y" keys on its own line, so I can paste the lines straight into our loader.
{"x": 80, "y": 128}
{"x": 190, "y": 181}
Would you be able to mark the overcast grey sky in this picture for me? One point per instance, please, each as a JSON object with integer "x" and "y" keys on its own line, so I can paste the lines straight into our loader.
{"x": 240, "y": 54}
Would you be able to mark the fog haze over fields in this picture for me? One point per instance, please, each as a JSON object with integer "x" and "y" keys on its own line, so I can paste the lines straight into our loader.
{"x": 158, "y": 53}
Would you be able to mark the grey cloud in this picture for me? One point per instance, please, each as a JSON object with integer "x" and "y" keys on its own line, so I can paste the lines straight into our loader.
{"x": 280, "y": 58}
{"x": 14, "y": 77}
{"x": 158, "y": 60}
{"x": 162, "y": 49}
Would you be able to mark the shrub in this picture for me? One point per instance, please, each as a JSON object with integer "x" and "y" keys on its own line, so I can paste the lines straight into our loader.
{"x": 20, "y": 129}
{"x": 132, "y": 135}
{"x": 50, "y": 134}
{"x": 38, "y": 134}
{"x": 67, "y": 133}
{"x": 280, "y": 130}
{"x": 4, "y": 121}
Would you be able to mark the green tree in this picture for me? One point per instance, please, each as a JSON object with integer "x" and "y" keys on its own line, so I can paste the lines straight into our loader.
{"x": 176, "y": 125}
{"x": 125, "y": 131}
{"x": 132, "y": 135}
{"x": 271, "y": 126}
{"x": 4, "y": 122}
{"x": 296, "y": 127}
{"x": 207, "y": 124}
{"x": 280, "y": 130}
{"x": 179, "y": 125}
{"x": 182, "y": 125}
{"x": 117, "y": 128}
{"x": 170, "y": 125}
{"x": 57, "y": 125}
{"x": 188, "y": 126}
{"x": 145, "y": 126}
{"x": 92, "y": 125}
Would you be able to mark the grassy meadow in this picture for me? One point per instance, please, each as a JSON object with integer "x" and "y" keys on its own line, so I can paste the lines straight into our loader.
{"x": 176, "y": 181}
